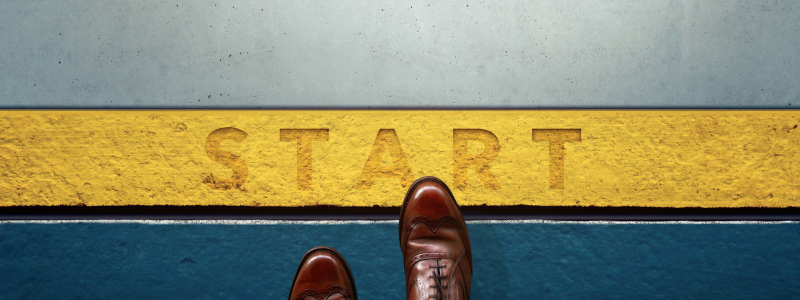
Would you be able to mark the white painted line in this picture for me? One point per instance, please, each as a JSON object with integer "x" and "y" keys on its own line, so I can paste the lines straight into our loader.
{"x": 202, "y": 222}
{"x": 625, "y": 222}
{"x": 362, "y": 222}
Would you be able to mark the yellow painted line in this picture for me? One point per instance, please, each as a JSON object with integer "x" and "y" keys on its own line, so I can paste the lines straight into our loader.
{"x": 366, "y": 158}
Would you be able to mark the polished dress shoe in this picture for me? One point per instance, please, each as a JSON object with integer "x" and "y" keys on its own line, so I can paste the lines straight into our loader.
{"x": 323, "y": 274}
{"x": 434, "y": 242}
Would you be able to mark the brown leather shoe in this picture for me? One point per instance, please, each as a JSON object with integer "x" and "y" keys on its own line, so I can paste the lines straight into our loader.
{"x": 434, "y": 242}
{"x": 323, "y": 275}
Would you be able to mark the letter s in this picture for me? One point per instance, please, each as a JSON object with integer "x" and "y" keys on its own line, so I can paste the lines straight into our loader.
{"x": 231, "y": 160}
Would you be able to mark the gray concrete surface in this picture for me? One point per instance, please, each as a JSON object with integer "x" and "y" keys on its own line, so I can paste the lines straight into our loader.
{"x": 388, "y": 54}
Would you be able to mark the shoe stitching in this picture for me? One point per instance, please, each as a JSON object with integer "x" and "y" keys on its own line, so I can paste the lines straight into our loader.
{"x": 404, "y": 241}
{"x": 324, "y": 294}
{"x": 442, "y": 290}
{"x": 456, "y": 264}
{"x": 426, "y": 256}
{"x": 438, "y": 276}
{"x": 432, "y": 225}
{"x": 338, "y": 257}
{"x": 411, "y": 190}
{"x": 414, "y": 186}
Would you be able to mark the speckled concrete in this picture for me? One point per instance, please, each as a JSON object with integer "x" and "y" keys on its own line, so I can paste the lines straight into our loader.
{"x": 512, "y": 261}
{"x": 417, "y": 54}
{"x": 366, "y": 158}
{"x": 362, "y": 54}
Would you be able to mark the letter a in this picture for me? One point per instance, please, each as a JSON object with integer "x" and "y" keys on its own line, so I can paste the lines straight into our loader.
{"x": 386, "y": 140}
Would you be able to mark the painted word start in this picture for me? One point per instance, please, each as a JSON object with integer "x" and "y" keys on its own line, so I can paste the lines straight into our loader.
{"x": 387, "y": 140}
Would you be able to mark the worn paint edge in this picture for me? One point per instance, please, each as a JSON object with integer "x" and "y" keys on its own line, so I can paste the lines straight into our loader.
{"x": 57, "y": 162}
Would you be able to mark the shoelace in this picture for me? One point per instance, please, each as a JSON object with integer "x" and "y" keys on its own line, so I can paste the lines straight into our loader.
{"x": 438, "y": 276}
{"x": 443, "y": 291}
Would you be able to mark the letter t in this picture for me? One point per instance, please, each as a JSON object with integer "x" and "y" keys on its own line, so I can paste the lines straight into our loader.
{"x": 557, "y": 137}
{"x": 304, "y": 137}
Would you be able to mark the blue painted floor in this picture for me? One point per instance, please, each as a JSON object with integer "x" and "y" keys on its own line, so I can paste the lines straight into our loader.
{"x": 532, "y": 260}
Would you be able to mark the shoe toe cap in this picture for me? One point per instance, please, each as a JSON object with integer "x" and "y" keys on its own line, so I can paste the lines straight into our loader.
{"x": 432, "y": 200}
{"x": 321, "y": 274}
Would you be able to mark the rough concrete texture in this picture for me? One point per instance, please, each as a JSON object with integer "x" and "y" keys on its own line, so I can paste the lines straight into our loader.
{"x": 366, "y": 158}
{"x": 520, "y": 261}
{"x": 508, "y": 53}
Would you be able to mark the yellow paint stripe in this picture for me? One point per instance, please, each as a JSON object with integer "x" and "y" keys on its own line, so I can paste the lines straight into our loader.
{"x": 364, "y": 158}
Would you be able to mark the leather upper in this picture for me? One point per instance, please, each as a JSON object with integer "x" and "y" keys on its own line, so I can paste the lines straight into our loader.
{"x": 435, "y": 243}
{"x": 323, "y": 275}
